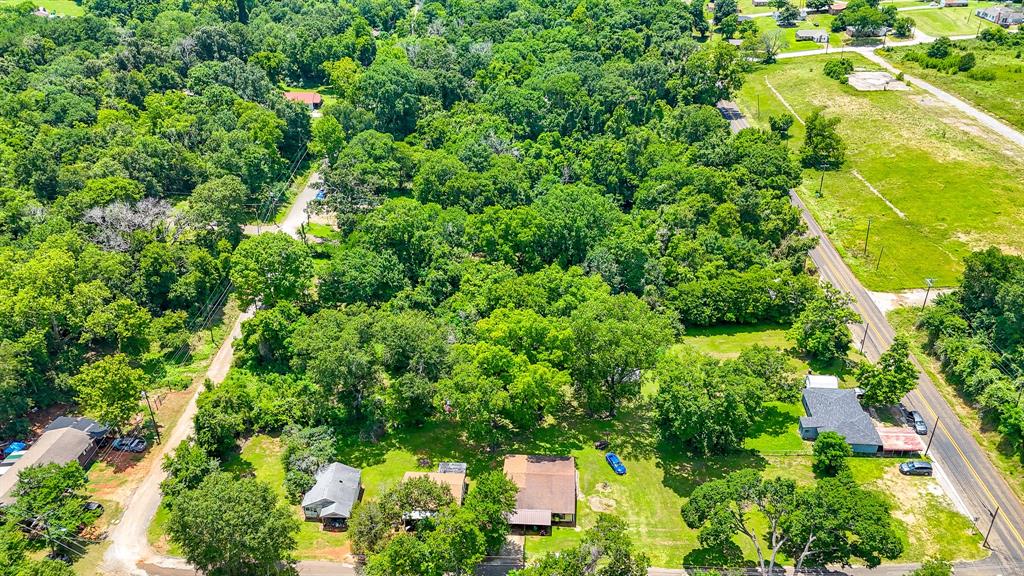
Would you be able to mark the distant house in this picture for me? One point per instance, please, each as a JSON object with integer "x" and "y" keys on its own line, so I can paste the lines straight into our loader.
{"x": 42, "y": 12}
{"x": 455, "y": 481}
{"x": 1002, "y": 15}
{"x": 867, "y": 32}
{"x": 839, "y": 411}
{"x": 338, "y": 487}
{"x": 821, "y": 381}
{"x": 760, "y": 3}
{"x": 65, "y": 440}
{"x": 820, "y": 36}
{"x": 952, "y": 3}
{"x": 311, "y": 99}
{"x": 836, "y": 8}
{"x": 547, "y": 490}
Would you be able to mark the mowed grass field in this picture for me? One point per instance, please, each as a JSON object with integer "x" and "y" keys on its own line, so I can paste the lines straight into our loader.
{"x": 61, "y": 7}
{"x": 1000, "y": 96}
{"x": 949, "y": 21}
{"x": 960, "y": 187}
{"x": 814, "y": 22}
{"x": 661, "y": 475}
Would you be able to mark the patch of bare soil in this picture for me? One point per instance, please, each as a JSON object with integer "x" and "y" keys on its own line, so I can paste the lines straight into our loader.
{"x": 599, "y": 504}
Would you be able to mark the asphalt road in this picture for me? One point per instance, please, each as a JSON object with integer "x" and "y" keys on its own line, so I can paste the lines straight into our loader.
{"x": 971, "y": 475}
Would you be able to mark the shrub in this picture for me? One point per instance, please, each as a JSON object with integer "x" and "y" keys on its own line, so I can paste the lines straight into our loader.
{"x": 903, "y": 27}
{"x": 781, "y": 124}
{"x": 994, "y": 35}
{"x": 940, "y": 48}
{"x": 297, "y": 483}
{"x": 967, "y": 61}
{"x": 830, "y": 454}
{"x": 982, "y": 75}
{"x": 838, "y": 68}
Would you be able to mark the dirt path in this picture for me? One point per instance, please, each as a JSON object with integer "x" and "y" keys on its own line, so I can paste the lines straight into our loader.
{"x": 129, "y": 537}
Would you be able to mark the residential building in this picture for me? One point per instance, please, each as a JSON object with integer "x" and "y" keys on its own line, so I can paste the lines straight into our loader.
{"x": 836, "y": 8}
{"x": 1004, "y": 16}
{"x": 455, "y": 481}
{"x": 839, "y": 411}
{"x": 952, "y": 3}
{"x": 311, "y": 99}
{"x": 65, "y": 440}
{"x": 338, "y": 487}
{"x": 820, "y": 36}
{"x": 547, "y": 490}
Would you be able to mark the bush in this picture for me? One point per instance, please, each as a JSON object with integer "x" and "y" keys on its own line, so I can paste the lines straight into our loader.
{"x": 983, "y": 75}
{"x": 296, "y": 484}
{"x": 781, "y": 124}
{"x": 903, "y": 27}
{"x": 830, "y": 454}
{"x": 838, "y": 68}
{"x": 940, "y": 48}
{"x": 967, "y": 61}
{"x": 994, "y": 35}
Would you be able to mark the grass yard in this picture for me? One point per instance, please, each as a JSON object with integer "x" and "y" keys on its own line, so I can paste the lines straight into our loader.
{"x": 60, "y": 7}
{"x": 918, "y": 153}
{"x": 813, "y": 22}
{"x": 949, "y": 21}
{"x": 999, "y": 96}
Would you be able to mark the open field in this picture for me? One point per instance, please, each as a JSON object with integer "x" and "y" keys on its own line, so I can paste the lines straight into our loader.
{"x": 960, "y": 187}
{"x": 949, "y": 21}
{"x": 661, "y": 476}
{"x": 61, "y": 7}
{"x": 999, "y": 96}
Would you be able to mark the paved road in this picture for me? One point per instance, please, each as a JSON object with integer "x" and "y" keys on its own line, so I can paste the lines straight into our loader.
{"x": 968, "y": 472}
{"x": 129, "y": 544}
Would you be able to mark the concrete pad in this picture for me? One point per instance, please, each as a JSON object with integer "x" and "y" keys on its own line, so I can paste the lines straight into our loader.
{"x": 875, "y": 81}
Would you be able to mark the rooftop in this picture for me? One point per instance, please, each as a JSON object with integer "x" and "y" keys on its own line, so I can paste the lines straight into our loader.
{"x": 59, "y": 446}
{"x": 455, "y": 481}
{"x": 336, "y": 483}
{"x": 839, "y": 411}
{"x": 304, "y": 97}
{"x": 545, "y": 482}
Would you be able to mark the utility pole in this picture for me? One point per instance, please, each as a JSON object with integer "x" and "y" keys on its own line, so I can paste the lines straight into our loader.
{"x": 865, "y": 338}
{"x": 866, "y": 234}
{"x": 152, "y": 417}
{"x": 927, "y": 292}
{"x": 879, "y": 261}
{"x": 991, "y": 524}
{"x": 935, "y": 430}
{"x": 821, "y": 183}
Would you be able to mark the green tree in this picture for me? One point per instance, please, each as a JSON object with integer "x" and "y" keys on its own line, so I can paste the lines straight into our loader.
{"x": 889, "y": 380}
{"x": 218, "y": 208}
{"x": 269, "y": 268}
{"x": 713, "y": 73}
{"x": 51, "y": 499}
{"x": 821, "y": 329}
{"x": 615, "y": 339}
{"x": 787, "y": 15}
{"x": 773, "y": 367}
{"x": 933, "y": 567}
{"x": 830, "y": 454}
{"x": 708, "y": 406}
{"x": 724, "y": 9}
{"x": 186, "y": 468}
{"x": 220, "y": 534}
{"x": 605, "y": 550}
{"x": 723, "y": 509}
{"x": 492, "y": 500}
{"x": 698, "y": 18}
{"x": 823, "y": 148}
{"x": 360, "y": 275}
{"x": 110, "y": 390}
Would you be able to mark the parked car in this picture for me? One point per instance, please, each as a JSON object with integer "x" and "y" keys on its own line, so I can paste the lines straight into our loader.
{"x": 91, "y": 506}
{"x": 919, "y": 424}
{"x": 615, "y": 463}
{"x": 59, "y": 557}
{"x": 321, "y": 194}
{"x": 916, "y": 468}
{"x": 601, "y": 444}
{"x": 905, "y": 414}
{"x": 129, "y": 444}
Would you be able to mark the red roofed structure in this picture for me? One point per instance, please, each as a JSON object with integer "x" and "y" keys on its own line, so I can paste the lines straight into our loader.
{"x": 311, "y": 99}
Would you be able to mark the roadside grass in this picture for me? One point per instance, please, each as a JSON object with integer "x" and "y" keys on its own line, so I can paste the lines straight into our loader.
{"x": 813, "y": 22}
{"x": 999, "y": 97}
{"x": 324, "y": 231}
{"x": 922, "y": 155}
{"x": 955, "y": 21}
{"x": 60, "y": 7}
{"x": 903, "y": 321}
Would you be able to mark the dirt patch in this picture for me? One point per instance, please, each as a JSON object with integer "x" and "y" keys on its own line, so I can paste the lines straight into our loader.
{"x": 599, "y": 504}
{"x": 876, "y": 82}
{"x": 603, "y": 487}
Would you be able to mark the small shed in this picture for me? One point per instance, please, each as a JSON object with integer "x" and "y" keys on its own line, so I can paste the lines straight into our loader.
{"x": 821, "y": 381}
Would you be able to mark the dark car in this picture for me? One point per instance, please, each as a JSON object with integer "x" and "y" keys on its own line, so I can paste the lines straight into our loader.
{"x": 918, "y": 423}
{"x": 905, "y": 414}
{"x": 92, "y": 506}
{"x": 916, "y": 468}
{"x": 59, "y": 557}
{"x": 615, "y": 463}
{"x": 129, "y": 444}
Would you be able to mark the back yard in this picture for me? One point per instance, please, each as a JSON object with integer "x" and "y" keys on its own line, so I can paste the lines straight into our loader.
{"x": 960, "y": 187}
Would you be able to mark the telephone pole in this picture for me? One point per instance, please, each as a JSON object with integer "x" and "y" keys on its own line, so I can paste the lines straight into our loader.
{"x": 152, "y": 416}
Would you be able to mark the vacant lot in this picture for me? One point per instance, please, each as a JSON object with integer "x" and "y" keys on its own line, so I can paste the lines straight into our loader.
{"x": 994, "y": 85}
{"x": 960, "y": 187}
{"x": 61, "y": 7}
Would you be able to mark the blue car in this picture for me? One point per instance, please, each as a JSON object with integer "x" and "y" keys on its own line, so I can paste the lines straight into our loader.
{"x": 321, "y": 194}
{"x": 615, "y": 463}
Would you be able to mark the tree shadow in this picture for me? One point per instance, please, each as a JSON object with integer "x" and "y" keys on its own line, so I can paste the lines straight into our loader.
{"x": 773, "y": 422}
{"x": 683, "y": 473}
{"x": 729, "y": 554}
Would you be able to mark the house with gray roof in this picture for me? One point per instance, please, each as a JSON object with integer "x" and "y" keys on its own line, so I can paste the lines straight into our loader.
{"x": 839, "y": 411}
{"x": 820, "y": 36}
{"x": 1005, "y": 16}
{"x": 338, "y": 487}
{"x": 64, "y": 440}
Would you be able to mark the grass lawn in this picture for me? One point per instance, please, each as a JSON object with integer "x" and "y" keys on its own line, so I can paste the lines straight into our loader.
{"x": 923, "y": 156}
{"x": 949, "y": 21}
{"x": 813, "y": 22}
{"x": 60, "y": 7}
{"x": 999, "y": 96}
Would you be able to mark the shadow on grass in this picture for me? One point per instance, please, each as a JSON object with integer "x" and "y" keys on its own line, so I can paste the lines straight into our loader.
{"x": 773, "y": 422}
{"x": 729, "y": 554}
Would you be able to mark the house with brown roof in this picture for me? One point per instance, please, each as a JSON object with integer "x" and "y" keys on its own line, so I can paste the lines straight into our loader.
{"x": 547, "y": 490}
{"x": 311, "y": 99}
{"x": 455, "y": 481}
